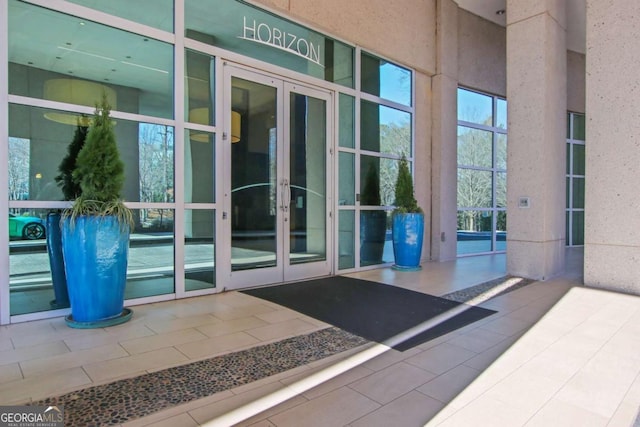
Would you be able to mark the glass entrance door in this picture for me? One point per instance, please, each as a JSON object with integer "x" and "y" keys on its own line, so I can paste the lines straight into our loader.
{"x": 276, "y": 219}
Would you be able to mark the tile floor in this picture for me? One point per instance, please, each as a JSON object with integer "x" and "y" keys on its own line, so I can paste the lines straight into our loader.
{"x": 556, "y": 353}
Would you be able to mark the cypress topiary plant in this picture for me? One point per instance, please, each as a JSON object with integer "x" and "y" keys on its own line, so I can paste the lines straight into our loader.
{"x": 99, "y": 171}
{"x": 70, "y": 188}
{"x": 405, "y": 199}
{"x": 371, "y": 191}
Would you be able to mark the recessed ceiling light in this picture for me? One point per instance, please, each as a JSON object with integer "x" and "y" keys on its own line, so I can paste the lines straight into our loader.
{"x": 500, "y": 12}
{"x": 81, "y": 23}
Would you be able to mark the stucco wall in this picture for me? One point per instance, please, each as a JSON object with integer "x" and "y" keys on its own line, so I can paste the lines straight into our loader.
{"x": 575, "y": 81}
{"x": 384, "y": 27}
{"x": 482, "y": 54}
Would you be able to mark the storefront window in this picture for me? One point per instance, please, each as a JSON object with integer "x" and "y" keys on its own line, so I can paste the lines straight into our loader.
{"x": 72, "y": 63}
{"x": 386, "y": 80}
{"x": 155, "y": 13}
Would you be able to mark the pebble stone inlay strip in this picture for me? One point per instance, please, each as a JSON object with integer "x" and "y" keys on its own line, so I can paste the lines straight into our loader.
{"x": 468, "y": 294}
{"x": 131, "y": 398}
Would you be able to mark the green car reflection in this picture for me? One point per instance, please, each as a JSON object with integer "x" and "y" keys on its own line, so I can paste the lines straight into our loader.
{"x": 26, "y": 227}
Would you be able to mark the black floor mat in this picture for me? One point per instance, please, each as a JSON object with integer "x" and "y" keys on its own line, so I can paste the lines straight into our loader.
{"x": 374, "y": 311}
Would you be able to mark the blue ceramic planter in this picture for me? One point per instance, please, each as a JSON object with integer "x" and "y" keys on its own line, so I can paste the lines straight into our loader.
{"x": 408, "y": 234}
{"x": 96, "y": 252}
{"x": 56, "y": 261}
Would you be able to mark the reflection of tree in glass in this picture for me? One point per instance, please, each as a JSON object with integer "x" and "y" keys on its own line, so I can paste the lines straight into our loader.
{"x": 18, "y": 168}
{"x": 474, "y": 186}
{"x": 156, "y": 163}
{"x": 395, "y": 138}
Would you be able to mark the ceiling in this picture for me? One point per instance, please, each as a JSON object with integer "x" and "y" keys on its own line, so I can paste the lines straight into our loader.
{"x": 576, "y": 18}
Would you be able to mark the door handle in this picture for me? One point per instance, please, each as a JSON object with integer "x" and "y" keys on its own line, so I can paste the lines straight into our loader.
{"x": 286, "y": 195}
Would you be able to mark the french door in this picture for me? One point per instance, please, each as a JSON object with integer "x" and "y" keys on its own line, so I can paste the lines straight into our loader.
{"x": 276, "y": 221}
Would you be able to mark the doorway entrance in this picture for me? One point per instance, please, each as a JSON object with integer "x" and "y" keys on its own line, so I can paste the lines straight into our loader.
{"x": 276, "y": 221}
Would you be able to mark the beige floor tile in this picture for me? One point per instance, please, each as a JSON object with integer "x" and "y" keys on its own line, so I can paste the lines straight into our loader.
{"x": 281, "y": 330}
{"x": 625, "y": 415}
{"x": 177, "y": 324}
{"x": 178, "y": 410}
{"x": 477, "y": 340}
{"x": 441, "y": 358}
{"x": 241, "y": 311}
{"x": 486, "y": 412}
{"x": 5, "y": 344}
{"x": 10, "y": 372}
{"x": 230, "y": 326}
{"x": 348, "y": 377}
{"x": 448, "y": 385}
{"x": 412, "y": 409}
{"x": 33, "y": 352}
{"x": 45, "y": 385}
{"x": 155, "y": 342}
{"x": 390, "y": 383}
{"x": 601, "y": 384}
{"x": 263, "y": 417}
{"x": 116, "y": 368}
{"x": 263, "y": 423}
{"x": 215, "y": 409}
{"x": 129, "y": 331}
{"x": 390, "y": 357}
{"x": 624, "y": 342}
{"x": 103, "y": 337}
{"x": 525, "y": 390}
{"x": 31, "y": 368}
{"x": 182, "y": 420}
{"x": 486, "y": 358}
{"x": 217, "y": 345}
{"x": 338, "y": 408}
{"x": 278, "y": 316}
{"x": 507, "y": 325}
{"x": 558, "y": 413}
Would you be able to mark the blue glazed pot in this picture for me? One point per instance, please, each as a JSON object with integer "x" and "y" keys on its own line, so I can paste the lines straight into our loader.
{"x": 96, "y": 252}
{"x": 408, "y": 234}
{"x": 56, "y": 261}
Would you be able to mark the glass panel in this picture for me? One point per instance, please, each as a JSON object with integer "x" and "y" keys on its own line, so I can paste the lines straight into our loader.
{"x": 578, "y": 159}
{"x": 568, "y": 228}
{"x": 199, "y": 167}
{"x": 475, "y": 147}
{"x": 150, "y": 269}
{"x": 386, "y": 80}
{"x": 373, "y": 236}
{"x": 308, "y": 179}
{"x": 379, "y": 174}
{"x": 501, "y": 189}
{"x": 578, "y": 228}
{"x": 474, "y": 188}
{"x": 568, "y": 125}
{"x": 578, "y": 193}
{"x": 250, "y": 31}
{"x": 155, "y": 13}
{"x": 579, "y": 127}
{"x": 155, "y": 152}
{"x": 568, "y": 192}
{"x": 346, "y": 239}
{"x": 199, "y": 88}
{"x": 63, "y": 58}
{"x": 474, "y": 107}
{"x": 569, "y": 158}
{"x": 384, "y": 129}
{"x": 199, "y": 249}
{"x": 501, "y": 113}
{"x": 474, "y": 232}
{"x": 347, "y": 185}
{"x": 501, "y": 151}
{"x": 501, "y": 231}
{"x": 253, "y": 177}
{"x": 30, "y": 280}
{"x": 147, "y": 151}
{"x": 347, "y": 120}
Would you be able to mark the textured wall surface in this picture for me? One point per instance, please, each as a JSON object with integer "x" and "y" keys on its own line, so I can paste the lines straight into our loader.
{"x": 612, "y": 200}
{"x": 482, "y": 54}
{"x": 402, "y": 30}
{"x": 536, "y": 59}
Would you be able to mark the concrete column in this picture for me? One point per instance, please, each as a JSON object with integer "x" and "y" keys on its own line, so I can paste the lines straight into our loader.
{"x": 537, "y": 97}
{"x": 444, "y": 136}
{"x": 612, "y": 200}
